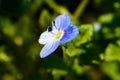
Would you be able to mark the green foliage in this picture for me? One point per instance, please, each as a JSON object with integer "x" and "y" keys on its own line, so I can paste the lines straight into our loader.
{"x": 45, "y": 17}
{"x": 111, "y": 69}
{"x": 106, "y": 18}
{"x": 86, "y": 33}
{"x": 112, "y": 53}
{"x": 92, "y": 55}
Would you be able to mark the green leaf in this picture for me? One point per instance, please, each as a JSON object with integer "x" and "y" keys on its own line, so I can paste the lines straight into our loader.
{"x": 118, "y": 42}
{"x": 45, "y": 18}
{"x": 111, "y": 69}
{"x": 106, "y": 18}
{"x": 117, "y": 32}
{"x": 112, "y": 52}
{"x": 7, "y": 27}
{"x": 3, "y": 56}
{"x": 72, "y": 51}
{"x": 76, "y": 67}
{"x": 58, "y": 73}
{"x": 86, "y": 33}
{"x": 108, "y": 33}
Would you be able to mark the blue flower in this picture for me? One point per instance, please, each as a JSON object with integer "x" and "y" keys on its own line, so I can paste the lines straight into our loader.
{"x": 60, "y": 32}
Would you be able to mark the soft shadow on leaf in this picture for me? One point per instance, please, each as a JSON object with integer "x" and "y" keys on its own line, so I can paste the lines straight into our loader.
{"x": 91, "y": 56}
{"x": 53, "y": 62}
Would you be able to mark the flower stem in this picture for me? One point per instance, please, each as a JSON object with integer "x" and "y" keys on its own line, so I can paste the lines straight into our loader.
{"x": 68, "y": 60}
{"x": 56, "y": 7}
{"x": 80, "y": 9}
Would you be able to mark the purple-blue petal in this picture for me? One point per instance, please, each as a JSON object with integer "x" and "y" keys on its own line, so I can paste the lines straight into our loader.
{"x": 49, "y": 48}
{"x": 70, "y": 33}
{"x": 62, "y": 21}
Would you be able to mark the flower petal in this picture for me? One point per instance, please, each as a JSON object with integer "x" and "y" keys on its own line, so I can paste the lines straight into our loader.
{"x": 46, "y": 37}
{"x": 49, "y": 48}
{"x": 70, "y": 33}
{"x": 62, "y": 21}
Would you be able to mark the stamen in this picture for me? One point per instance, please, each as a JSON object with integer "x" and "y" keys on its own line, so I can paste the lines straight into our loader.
{"x": 49, "y": 28}
{"x": 54, "y": 24}
{"x": 59, "y": 34}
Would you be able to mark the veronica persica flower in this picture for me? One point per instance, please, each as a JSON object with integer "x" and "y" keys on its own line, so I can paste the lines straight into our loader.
{"x": 60, "y": 32}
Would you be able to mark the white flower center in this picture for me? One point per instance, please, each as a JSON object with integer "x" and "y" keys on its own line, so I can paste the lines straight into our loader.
{"x": 58, "y": 34}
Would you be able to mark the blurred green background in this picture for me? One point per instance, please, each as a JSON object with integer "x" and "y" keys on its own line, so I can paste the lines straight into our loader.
{"x": 93, "y": 55}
